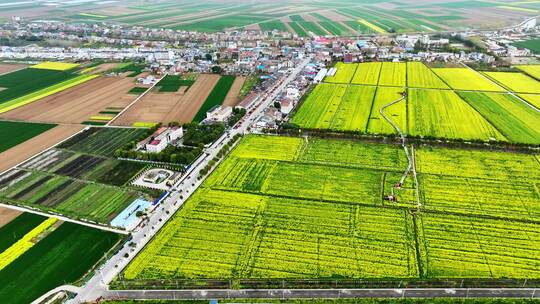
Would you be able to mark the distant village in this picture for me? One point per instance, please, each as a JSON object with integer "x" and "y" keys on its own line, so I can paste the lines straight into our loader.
{"x": 265, "y": 54}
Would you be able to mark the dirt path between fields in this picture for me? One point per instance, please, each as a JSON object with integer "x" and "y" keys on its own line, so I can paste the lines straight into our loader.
{"x": 7, "y": 215}
{"x": 232, "y": 99}
{"x": 8, "y": 67}
{"x": 38, "y": 144}
{"x": 167, "y": 107}
{"x": 77, "y": 104}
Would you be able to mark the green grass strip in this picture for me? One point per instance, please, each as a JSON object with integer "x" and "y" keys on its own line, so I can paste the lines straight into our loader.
{"x": 216, "y": 97}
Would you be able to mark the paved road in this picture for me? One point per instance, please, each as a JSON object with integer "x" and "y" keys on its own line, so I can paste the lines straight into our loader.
{"x": 328, "y": 293}
{"x": 97, "y": 286}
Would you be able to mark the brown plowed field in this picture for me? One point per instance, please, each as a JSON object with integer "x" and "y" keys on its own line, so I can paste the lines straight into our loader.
{"x": 167, "y": 107}
{"x": 33, "y": 146}
{"x": 7, "y": 67}
{"x": 77, "y": 104}
{"x": 232, "y": 99}
{"x": 7, "y": 215}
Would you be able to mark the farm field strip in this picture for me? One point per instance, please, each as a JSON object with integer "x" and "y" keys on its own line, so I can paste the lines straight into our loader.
{"x": 353, "y": 111}
{"x": 531, "y": 70}
{"x": 24, "y": 243}
{"x": 14, "y": 133}
{"x": 63, "y": 256}
{"x": 443, "y": 114}
{"x": 514, "y": 119}
{"x": 466, "y": 79}
{"x": 397, "y": 112}
{"x": 420, "y": 76}
{"x": 37, "y": 95}
{"x": 318, "y": 110}
{"x": 284, "y": 244}
{"x": 56, "y": 66}
{"x": 216, "y": 97}
{"x": 367, "y": 73}
{"x": 516, "y": 82}
{"x": 344, "y": 73}
{"x": 461, "y": 247}
{"x": 532, "y": 99}
{"x": 393, "y": 74}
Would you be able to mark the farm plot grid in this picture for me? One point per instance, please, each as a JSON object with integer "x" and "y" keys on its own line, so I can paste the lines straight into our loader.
{"x": 289, "y": 215}
{"x": 73, "y": 183}
{"x": 450, "y": 103}
{"x": 313, "y": 209}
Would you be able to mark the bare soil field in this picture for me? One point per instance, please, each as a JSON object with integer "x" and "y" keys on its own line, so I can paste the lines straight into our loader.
{"x": 8, "y": 67}
{"x": 232, "y": 99}
{"x": 104, "y": 67}
{"x": 167, "y": 107}
{"x": 7, "y": 215}
{"x": 77, "y": 104}
{"x": 40, "y": 143}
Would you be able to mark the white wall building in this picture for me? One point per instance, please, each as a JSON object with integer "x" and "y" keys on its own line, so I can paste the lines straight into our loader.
{"x": 162, "y": 138}
{"x": 219, "y": 114}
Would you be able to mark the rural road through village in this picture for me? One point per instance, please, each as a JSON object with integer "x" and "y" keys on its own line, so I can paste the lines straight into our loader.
{"x": 97, "y": 286}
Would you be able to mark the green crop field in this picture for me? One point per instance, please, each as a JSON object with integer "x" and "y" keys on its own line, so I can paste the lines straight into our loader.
{"x": 62, "y": 257}
{"x": 70, "y": 197}
{"x": 393, "y": 74}
{"x": 102, "y": 141}
{"x": 216, "y": 97}
{"x": 172, "y": 83}
{"x": 291, "y": 214}
{"x": 516, "y": 82}
{"x": 298, "y": 29}
{"x": 494, "y": 184}
{"x": 318, "y": 110}
{"x": 464, "y": 247}
{"x": 354, "y": 109}
{"x": 397, "y": 112}
{"x": 17, "y": 228}
{"x": 442, "y": 113}
{"x": 267, "y": 207}
{"x": 466, "y": 79}
{"x": 367, "y": 73}
{"x": 531, "y": 99}
{"x": 532, "y": 44}
{"x": 14, "y": 133}
{"x": 80, "y": 178}
{"x": 344, "y": 73}
{"x": 517, "y": 121}
{"x": 420, "y": 76}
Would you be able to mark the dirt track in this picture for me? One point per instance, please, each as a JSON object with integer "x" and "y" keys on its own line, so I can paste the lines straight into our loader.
{"x": 40, "y": 143}
{"x": 7, "y": 67}
{"x": 232, "y": 99}
{"x": 167, "y": 107}
{"x": 77, "y": 104}
{"x": 7, "y": 215}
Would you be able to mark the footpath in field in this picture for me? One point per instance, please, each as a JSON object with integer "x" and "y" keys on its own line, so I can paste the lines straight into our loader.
{"x": 314, "y": 208}
{"x": 38, "y": 254}
{"x": 448, "y": 102}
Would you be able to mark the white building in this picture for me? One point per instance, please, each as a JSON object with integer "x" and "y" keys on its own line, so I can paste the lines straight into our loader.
{"x": 286, "y": 106}
{"x": 219, "y": 113}
{"x": 162, "y": 138}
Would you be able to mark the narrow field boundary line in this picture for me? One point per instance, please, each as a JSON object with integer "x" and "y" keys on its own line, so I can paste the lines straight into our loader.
{"x": 134, "y": 101}
{"x": 507, "y": 90}
{"x": 63, "y": 218}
